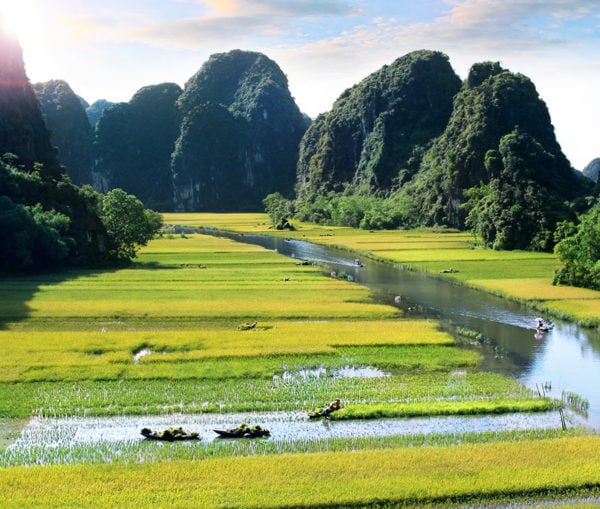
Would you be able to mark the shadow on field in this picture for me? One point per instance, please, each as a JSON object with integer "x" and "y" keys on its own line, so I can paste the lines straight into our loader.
{"x": 17, "y": 291}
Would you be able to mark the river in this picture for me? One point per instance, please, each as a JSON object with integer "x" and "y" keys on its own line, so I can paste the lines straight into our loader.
{"x": 565, "y": 359}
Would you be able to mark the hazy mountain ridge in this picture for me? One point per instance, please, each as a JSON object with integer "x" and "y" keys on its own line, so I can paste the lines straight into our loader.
{"x": 592, "y": 169}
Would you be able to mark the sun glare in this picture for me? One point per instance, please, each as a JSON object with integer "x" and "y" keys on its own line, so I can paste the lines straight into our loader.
{"x": 20, "y": 22}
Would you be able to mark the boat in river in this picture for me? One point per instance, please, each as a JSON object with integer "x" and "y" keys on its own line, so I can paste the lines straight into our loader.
{"x": 243, "y": 431}
{"x": 170, "y": 434}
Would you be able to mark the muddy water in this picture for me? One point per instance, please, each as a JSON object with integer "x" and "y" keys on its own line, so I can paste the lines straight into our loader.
{"x": 567, "y": 358}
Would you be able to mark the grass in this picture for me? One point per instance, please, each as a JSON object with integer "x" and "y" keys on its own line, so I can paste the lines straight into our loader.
{"x": 72, "y": 340}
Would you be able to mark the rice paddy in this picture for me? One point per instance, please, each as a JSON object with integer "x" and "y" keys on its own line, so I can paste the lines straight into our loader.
{"x": 520, "y": 275}
{"x": 158, "y": 343}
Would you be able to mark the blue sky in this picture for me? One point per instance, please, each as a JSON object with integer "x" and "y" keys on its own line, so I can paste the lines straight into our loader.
{"x": 110, "y": 49}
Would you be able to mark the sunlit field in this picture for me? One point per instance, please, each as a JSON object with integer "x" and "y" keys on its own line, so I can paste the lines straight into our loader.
{"x": 521, "y": 275}
{"x": 414, "y": 476}
{"x": 168, "y": 336}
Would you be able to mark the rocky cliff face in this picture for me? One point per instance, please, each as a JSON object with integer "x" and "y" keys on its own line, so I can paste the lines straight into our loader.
{"x": 239, "y": 135}
{"x": 373, "y": 138}
{"x": 133, "y": 145}
{"x": 22, "y": 128}
{"x": 70, "y": 129}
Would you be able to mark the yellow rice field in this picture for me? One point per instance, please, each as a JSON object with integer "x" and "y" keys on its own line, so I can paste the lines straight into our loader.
{"x": 520, "y": 275}
{"x": 410, "y": 477}
{"x": 109, "y": 352}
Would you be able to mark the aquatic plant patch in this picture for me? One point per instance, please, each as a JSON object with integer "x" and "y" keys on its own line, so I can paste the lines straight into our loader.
{"x": 413, "y": 409}
{"x": 118, "y": 440}
{"x": 294, "y": 388}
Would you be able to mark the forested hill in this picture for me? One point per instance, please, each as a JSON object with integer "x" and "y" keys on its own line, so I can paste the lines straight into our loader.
{"x": 239, "y": 135}
{"x": 222, "y": 144}
{"x": 374, "y": 137}
{"x": 133, "y": 145}
{"x": 67, "y": 120}
{"x": 45, "y": 221}
{"x": 492, "y": 104}
{"x": 410, "y": 146}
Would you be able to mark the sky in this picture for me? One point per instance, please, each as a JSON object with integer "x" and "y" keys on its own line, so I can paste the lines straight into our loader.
{"x": 109, "y": 49}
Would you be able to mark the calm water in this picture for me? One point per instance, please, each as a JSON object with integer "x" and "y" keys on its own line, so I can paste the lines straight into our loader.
{"x": 566, "y": 358}
{"x": 72, "y": 431}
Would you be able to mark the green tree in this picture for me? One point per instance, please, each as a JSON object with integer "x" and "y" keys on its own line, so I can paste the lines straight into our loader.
{"x": 280, "y": 210}
{"x": 128, "y": 225}
{"x": 32, "y": 238}
{"x": 580, "y": 252}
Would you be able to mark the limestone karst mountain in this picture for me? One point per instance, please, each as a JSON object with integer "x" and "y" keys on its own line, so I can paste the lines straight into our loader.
{"x": 239, "y": 135}
{"x": 69, "y": 126}
{"x": 23, "y": 131}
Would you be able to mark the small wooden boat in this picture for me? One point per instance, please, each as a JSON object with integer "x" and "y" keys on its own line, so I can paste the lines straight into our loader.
{"x": 243, "y": 431}
{"x": 170, "y": 434}
{"x": 324, "y": 412}
{"x": 542, "y": 326}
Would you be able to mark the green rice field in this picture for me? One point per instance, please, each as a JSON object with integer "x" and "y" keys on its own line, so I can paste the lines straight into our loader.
{"x": 163, "y": 337}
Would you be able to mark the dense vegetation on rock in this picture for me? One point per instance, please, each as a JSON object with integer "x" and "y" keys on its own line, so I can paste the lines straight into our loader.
{"x": 373, "y": 139}
{"x": 492, "y": 103}
{"x": 239, "y": 135}
{"x": 223, "y": 143}
{"x": 488, "y": 159}
{"x": 69, "y": 126}
{"x": 133, "y": 145}
{"x": 45, "y": 220}
{"x": 518, "y": 208}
